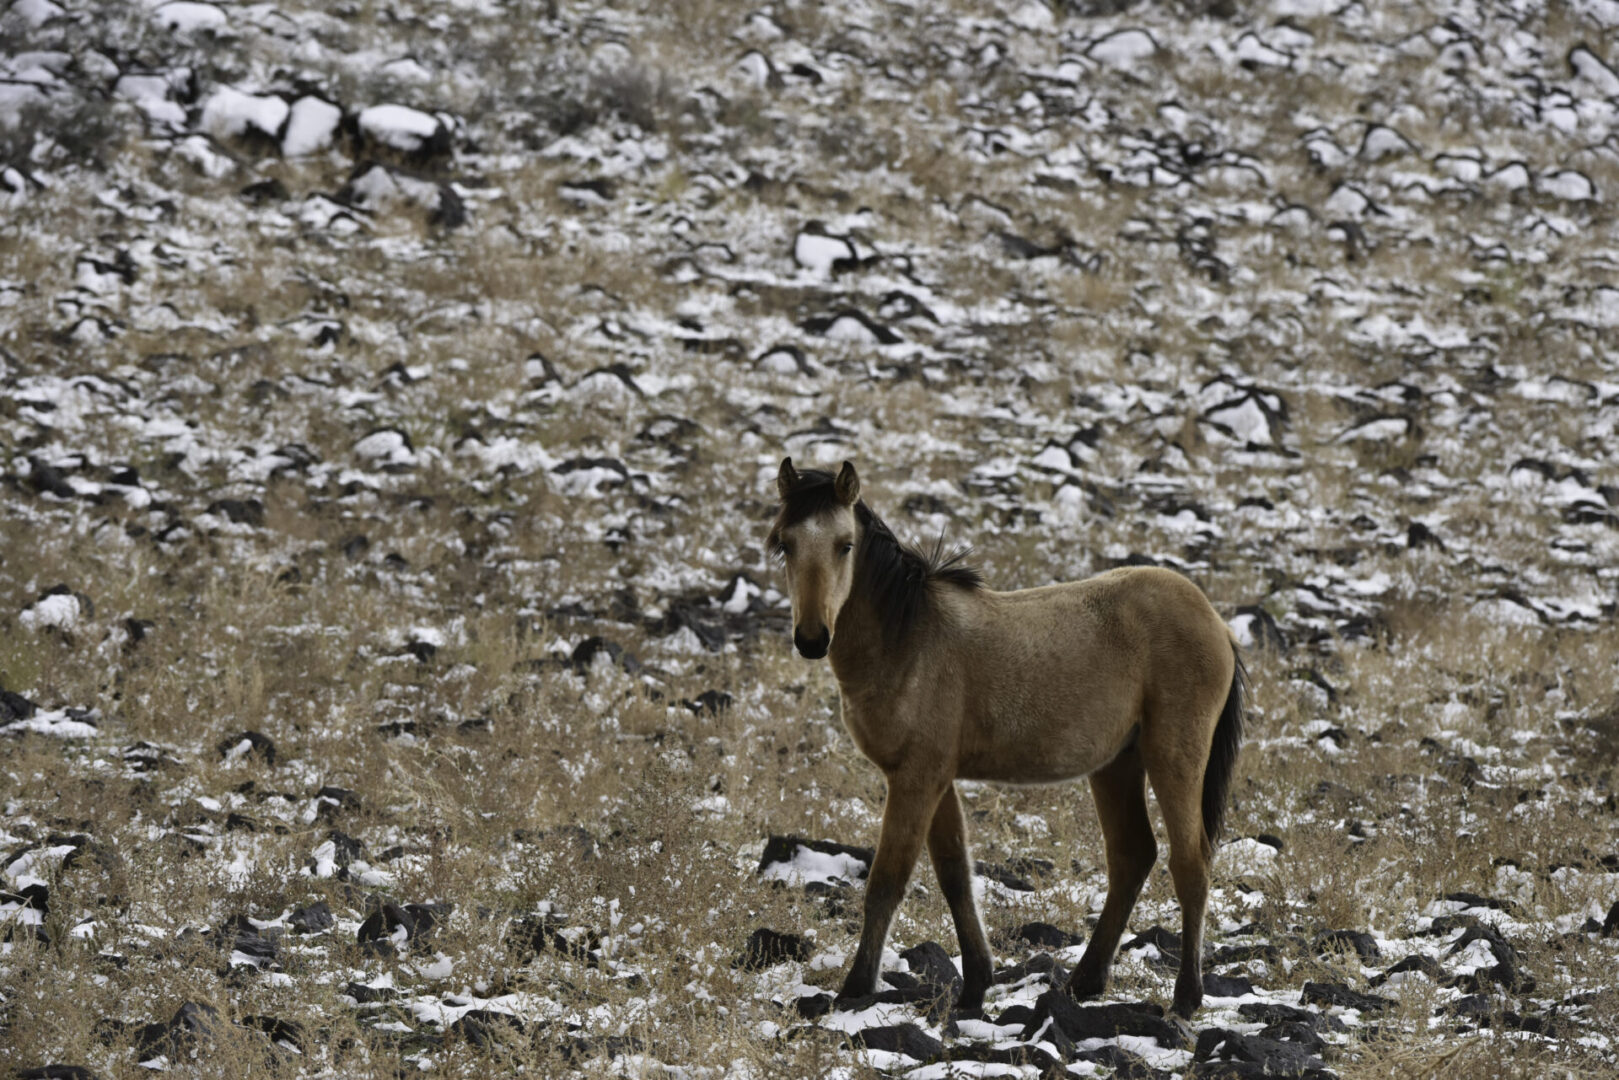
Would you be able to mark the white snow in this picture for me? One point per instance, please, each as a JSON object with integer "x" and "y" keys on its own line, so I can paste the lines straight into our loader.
{"x": 230, "y": 113}
{"x": 398, "y": 126}
{"x": 1123, "y": 48}
{"x": 310, "y": 127}
{"x": 186, "y": 16}
{"x": 817, "y": 253}
{"x": 60, "y": 612}
{"x": 56, "y": 723}
{"x": 809, "y": 865}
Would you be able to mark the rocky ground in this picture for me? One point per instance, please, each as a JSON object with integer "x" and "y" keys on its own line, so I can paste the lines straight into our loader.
{"x": 392, "y": 679}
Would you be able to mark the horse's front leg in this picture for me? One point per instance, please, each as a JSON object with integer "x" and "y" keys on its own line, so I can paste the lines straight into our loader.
{"x": 906, "y": 814}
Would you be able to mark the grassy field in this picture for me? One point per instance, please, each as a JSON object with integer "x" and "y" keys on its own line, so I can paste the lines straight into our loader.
{"x": 463, "y": 523}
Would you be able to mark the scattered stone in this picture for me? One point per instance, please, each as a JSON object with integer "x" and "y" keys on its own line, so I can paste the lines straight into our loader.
{"x": 386, "y": 928}
{"x": 192, "y": 1027}
{"x": 312, "y": 918}
{"x": 287, "y": 1033}
{"x": 907, "y": 1039}
{"x": 1227, "y": 986}
{"x": 766, "y": 948}
{"x": 1080, "y": 1022}
{"x": 248, "y": 744}
{"x": 1275, "y": 1057}
{"x": 1416, "y": 962}
{"x": 1365, "y": 945}
{"x": 933, "y": 969}
{"x": 1329, "y": 994}
{"x": 1167, "y": 944}
{"x": 1046, "y": 936}
{"x": 783, "y": 849}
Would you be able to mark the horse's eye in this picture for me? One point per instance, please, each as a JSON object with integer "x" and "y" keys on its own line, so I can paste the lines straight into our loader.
{"x": 845, "y": 549}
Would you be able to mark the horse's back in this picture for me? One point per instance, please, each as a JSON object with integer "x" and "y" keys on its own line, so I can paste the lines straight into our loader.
{"x": 1075, "y": 667}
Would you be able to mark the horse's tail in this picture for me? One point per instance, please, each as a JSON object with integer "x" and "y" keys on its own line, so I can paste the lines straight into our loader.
{"x": 1223, "y": 754}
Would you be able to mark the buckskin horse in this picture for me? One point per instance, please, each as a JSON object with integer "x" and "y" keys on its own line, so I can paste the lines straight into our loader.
{"x": 1129, "y": 677}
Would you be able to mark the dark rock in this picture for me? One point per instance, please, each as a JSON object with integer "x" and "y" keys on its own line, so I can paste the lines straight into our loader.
{"x": 1227, "y": 985}
{"x": 1418, "y": 535}
{"x": 813, "y": 1006}
{"x": 933, "y": 968}
{"x": 365, "y": 995}
{"x": 262, "y": 746}
{"x": 782, "y": 849}
{"x": 1013, "y": 875}
{"x": 1038, "y": 964}
{"x": 907, "y": 1039}
{"x": 36, "y": 896}
{"x": 579, "y": 1049}
{"x": 1250, "y": 1070}
{"x": 1294, "y": 1031}
{"x": 1610, "y": 925}
{"x": 709, "y": 702}
{"x": 1337, "y": 994}
{"x": 240, "y": 935}
{"x": 191, "y": 1025}
{"x": 1080, "y": 1022}
{"x": 239, "y": 511}
{"x": 1474, "y": 900}
{"x": 1330, "y": 940}
{"x": 425, "y": 918}
{"x": 279, "y": 1031}
{"x": 766, "y": 948}
{"x": 269, "y": 190}
{"x": 56, "y": 1072}
{"x": 822, "y": 324}
{"x": 312, "y": 918}
{"x": 1241, "y": 954}
{"x": 1031, "y": 1054}
{"x": 1507, "y": 971}
{"x": 1167, "y": 943}
{"x": 334, "y": 799}
{"x": 47, "y": 479}
{"x": 487, "y": 1028}
{"x": 1265, "y": 1012}
{"x": 1125, "y": 1065}
{"x": 1415, "y": 962}
{"x": 1469, "y": 1006}
{"x": 585, "y": 653}
{"x": 1278, "y": 1058}
{"x": 382, "y": 923}
{"x": 14, "y": 707}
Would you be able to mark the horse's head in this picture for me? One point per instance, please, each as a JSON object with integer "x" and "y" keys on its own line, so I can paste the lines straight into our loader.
{"x": 816, "y": 534}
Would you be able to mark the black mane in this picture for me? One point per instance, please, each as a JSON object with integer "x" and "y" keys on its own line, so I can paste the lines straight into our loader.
{"x": 896, "y": 576}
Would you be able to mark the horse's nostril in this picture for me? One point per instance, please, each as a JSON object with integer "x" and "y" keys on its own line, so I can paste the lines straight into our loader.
{"x": 812, "y": 646}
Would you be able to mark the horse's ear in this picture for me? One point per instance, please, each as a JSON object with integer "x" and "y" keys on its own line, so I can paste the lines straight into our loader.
{"x": 786, "y": 478}
{"x": 848, "y": 485}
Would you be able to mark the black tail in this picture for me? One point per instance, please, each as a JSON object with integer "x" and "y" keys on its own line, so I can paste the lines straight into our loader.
{"x": 1223, "y": 754}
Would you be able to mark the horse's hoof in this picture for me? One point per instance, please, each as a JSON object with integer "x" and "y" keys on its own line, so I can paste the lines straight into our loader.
{"x": 1186, "y": 1007}
{"x": 965, "y": 1010}
{"x": 1083, "y": 987}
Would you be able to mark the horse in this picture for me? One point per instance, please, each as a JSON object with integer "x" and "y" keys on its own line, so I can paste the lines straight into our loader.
{"x": 1128, "y": 677}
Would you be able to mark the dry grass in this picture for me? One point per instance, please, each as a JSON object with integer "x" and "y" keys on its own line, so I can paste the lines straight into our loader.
{"x": 491, "y": 776}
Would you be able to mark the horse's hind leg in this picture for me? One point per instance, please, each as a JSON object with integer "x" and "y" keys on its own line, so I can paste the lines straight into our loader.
{"x": 952, "y": 861}
{"x": 1179, "y": 789}
{"x": 1121, "y": 803}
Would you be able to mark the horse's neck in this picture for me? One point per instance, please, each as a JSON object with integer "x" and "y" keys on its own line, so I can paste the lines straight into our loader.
{"x": 862, "y": 654}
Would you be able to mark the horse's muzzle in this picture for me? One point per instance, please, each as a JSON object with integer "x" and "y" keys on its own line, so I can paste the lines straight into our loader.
{"x": 812, "y": 648}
